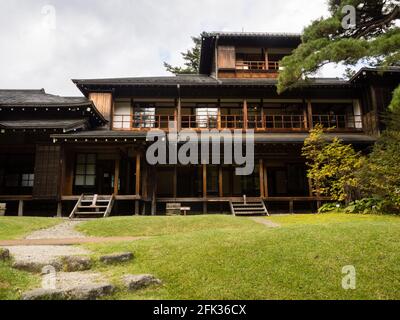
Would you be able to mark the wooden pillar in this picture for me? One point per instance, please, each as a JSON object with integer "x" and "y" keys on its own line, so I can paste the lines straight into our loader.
{"x": 179, "y": 111}
{"x": 20, "y": 208}
{"x": 245, "y": 115}
{"x": 138, "y": 175}
{"x": 220, "y": 182}
{"x": 116, "y": 176}
{"x": 261, "y": 173}
{"x": 375, "y": 110}
{"x": 310, "y": 115}
{"x": 59, "y": 209}
{"x": 266, "y": 192}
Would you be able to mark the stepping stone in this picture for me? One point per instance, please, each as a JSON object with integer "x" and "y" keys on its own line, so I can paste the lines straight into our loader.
{"x": 137, "y": 282}
{"x": 44, "y": 294}
{"x": 84, "y": 292}
{"x": 4, "y": 254}
{"x": 75, "y": 263}
{"x": 34, "y": 258}
{"x": 117, "y": 257}
{"x": 35, "y": 267}
{"x": 90, "y": 292}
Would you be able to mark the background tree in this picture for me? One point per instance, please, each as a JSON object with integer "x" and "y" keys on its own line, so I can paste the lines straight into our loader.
{"x": 332, "y": 166}
{"x": 191, "y": 58}
{"x": 374, "y": 40}
{"x": 380, "y": 175}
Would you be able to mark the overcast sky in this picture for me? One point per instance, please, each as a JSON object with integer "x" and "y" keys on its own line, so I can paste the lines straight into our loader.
{"x": 44, "y": 44}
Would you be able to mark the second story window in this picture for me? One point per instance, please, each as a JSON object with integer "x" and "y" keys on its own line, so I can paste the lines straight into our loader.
{"x": 207, "y": 117}
{"x": 144, "y": 115}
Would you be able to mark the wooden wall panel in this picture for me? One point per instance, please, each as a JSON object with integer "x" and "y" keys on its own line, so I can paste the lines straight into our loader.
{"x": 103, "y": 102}
{"x": 47, "y": 172}
{"x": 226, "y": 57}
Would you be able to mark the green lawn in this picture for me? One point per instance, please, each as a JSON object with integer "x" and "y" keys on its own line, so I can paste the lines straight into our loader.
{"x": 13, "y": 282}
{"x": 17, "y": 227}
{"x": 223, "y": 257}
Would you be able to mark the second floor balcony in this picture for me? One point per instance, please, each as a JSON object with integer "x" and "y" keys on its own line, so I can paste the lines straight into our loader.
{"x": 268, "y": 122}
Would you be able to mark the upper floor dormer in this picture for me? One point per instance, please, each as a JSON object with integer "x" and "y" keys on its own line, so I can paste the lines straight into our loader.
{"x": 245, "y": 55}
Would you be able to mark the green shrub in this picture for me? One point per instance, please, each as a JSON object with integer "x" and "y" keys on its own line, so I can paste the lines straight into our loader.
{"x": 330, "y": 207}
{"x": 368, "y": 206}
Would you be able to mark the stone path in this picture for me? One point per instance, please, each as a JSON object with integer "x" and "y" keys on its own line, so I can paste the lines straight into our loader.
{"x": 45, "y": 255}
{"x": 63, "y": 230}
{"x": 52, "y": 249}
{"x": 266, "y": 222}
{"x": 68, "y": 241}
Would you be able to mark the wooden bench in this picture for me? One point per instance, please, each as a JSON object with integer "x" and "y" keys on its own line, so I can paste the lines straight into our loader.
{"x": 3, "y": 208}
{"x": 174, "y": 209}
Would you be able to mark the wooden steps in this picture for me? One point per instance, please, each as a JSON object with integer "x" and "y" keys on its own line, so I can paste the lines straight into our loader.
{"x": 93, "y": 206}
{"x": 246, "y": 208}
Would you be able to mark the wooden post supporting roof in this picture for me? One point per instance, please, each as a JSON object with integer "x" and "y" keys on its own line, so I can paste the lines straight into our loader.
{"x": 245, "y": 114}
{"x": 138, "y": 168}
{"x": 116, "y": 176}
{"x": 310, "y": 115}
{"x": 179, "y": 109}
{"x": 261, "y": 173}
{"x": 266, "y": 192}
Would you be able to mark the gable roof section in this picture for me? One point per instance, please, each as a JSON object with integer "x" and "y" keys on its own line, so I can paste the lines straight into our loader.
{"x": 262, "y": 39}
{"x": 39, "y": 99}
{"x": 65, "y": 124}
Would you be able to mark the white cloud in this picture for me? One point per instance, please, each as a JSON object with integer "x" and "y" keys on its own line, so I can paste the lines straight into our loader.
{"x": 123, "y": 38}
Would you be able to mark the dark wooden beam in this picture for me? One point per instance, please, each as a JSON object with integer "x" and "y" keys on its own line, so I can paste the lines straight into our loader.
{"x": 116, "y": 176}
{"x": 138, "y": 174}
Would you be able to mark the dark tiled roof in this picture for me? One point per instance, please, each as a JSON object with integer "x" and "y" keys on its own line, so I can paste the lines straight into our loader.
{"x": 366, "y": 71}
{"x": 252, "y": 34}
{"x": 102, "y": 134}
{"x": 267, "y": 138}
{"x": 151, "y": 81}
{"x": 65, "y": 124}
{"x": 38, "y": 98}
{"x": 199, "y": 80}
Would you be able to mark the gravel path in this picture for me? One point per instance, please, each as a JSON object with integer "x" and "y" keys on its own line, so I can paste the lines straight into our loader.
{"x": 266, "y": 222}
{"x": 44, "y": 254}
{"x": 70, "y": 280}
{"x": 63, "y": 230}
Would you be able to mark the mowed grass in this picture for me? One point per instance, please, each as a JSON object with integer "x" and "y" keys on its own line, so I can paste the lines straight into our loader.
{"x": 16, "y": 227}
{"x": 13, "y": 282}
{"x": 223, "y": 257}
{"x": 160, "y": 225}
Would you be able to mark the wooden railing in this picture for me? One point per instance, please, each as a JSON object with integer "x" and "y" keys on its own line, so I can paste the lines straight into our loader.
{"x": 338, "y": 121}
{"x": 199, "y": 122}
{"x": 232, "y": 122}
{"x": 258, "y": 122}
{"x": 277, "y": 122}
{"x": 257, "y": 65}
{"x": 132, "y": 122}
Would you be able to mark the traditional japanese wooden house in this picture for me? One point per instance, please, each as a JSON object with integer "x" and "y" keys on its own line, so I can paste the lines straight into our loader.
{"x": 87, "y": 155}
